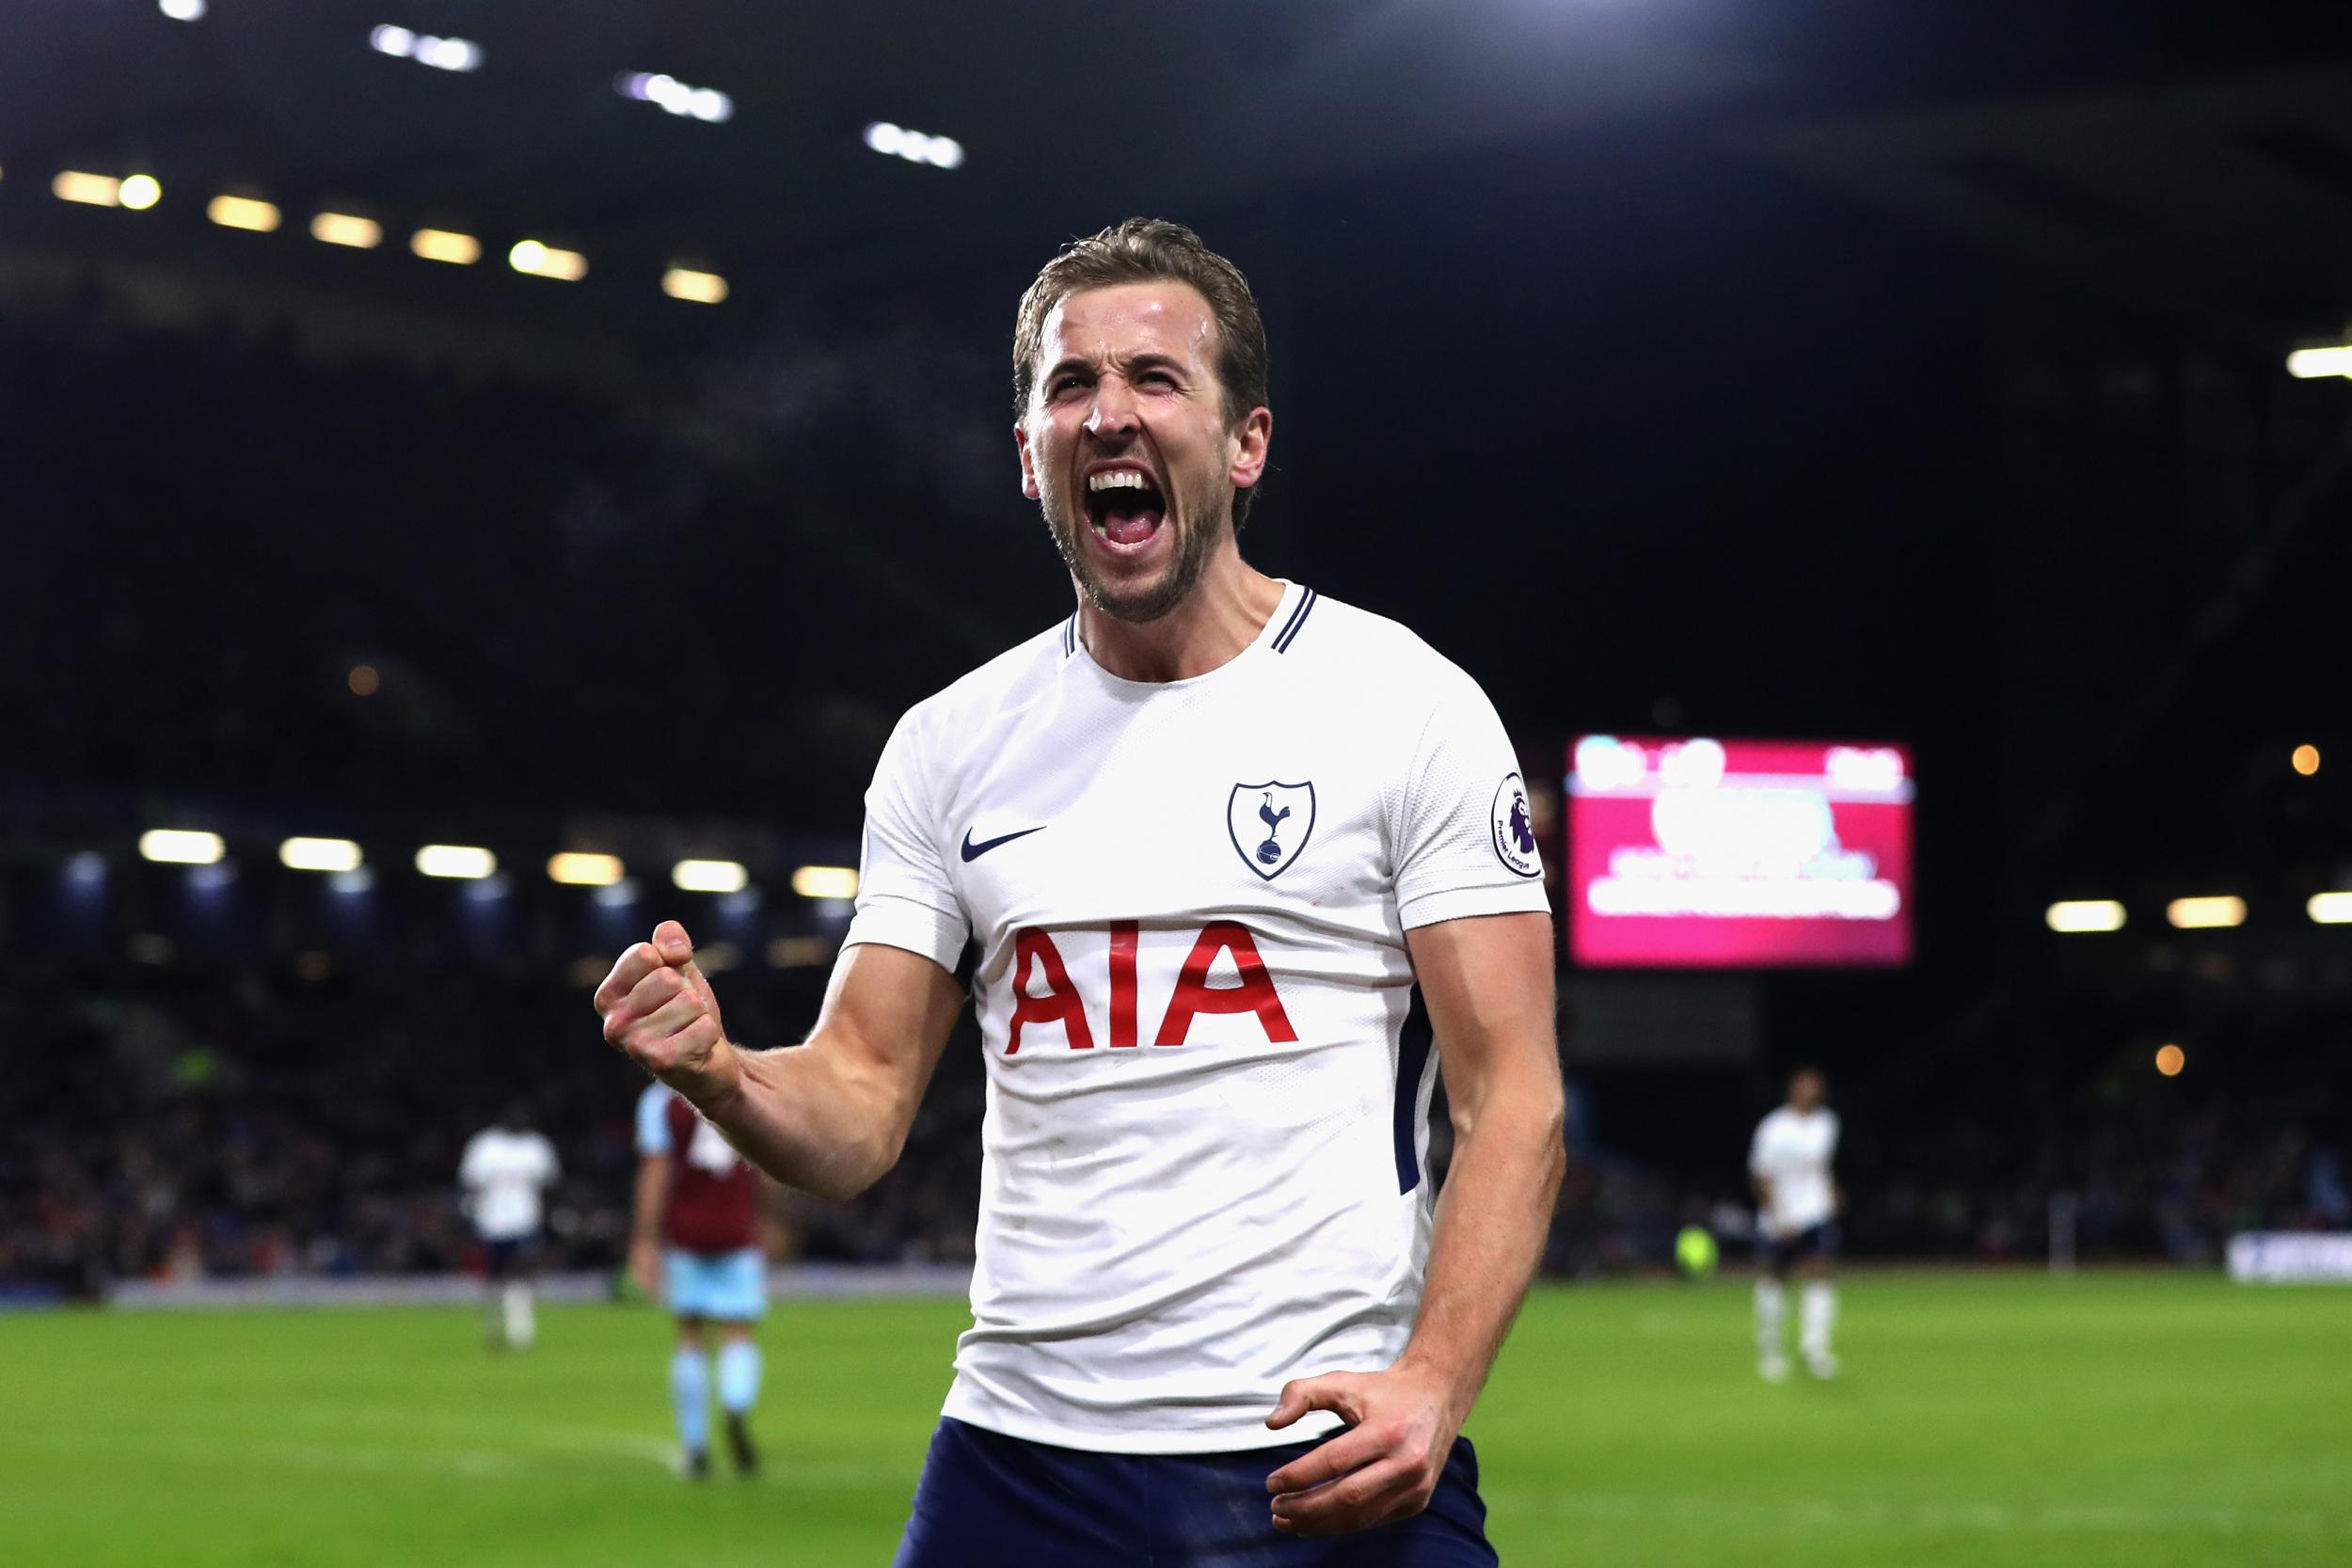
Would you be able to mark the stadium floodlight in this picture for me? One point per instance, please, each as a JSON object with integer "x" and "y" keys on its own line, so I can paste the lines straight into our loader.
{"x": 2085, "y": 914}
{"x": 243, "y": 211}
{"x": 442, "y": 54}
{"x": 2309, "y": 364}
{"x": 180, "y": 846}
{"x": 91, "y": 190}
{"x": 182, "y": 10}
{"x": 318, "y": 854}
{"x": 463, "y": 861}
{"x": 2206, "y": 914}
{"x": 443, "y": 244}
{"x": 575, "y": 869}
{"x": 539, "y": 260}
{"x": 2330, "y": 908}
{"x": 710, "y": 876}
{"x": 825, "y": 882}
{"x": 346, "y": 229}
{"x": 140, "y": 191}
{"x": 2171, "y": 1059}
{"x": 2304, "y": 760}
{"x": 701, "y": 288}
{"x": 897, "y": 141}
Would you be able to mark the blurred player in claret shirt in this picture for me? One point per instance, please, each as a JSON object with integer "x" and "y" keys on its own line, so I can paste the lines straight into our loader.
{"x": 504, "y": 1170}
{"x": 694, "y": 1240}
{"x": 1207, "y": 836}
{"x": 1797, "y": 1203}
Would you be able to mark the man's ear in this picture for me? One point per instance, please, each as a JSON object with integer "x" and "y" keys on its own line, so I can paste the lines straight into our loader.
{"x": 1250, "y": 439}
{"x": 1028, "y": 464}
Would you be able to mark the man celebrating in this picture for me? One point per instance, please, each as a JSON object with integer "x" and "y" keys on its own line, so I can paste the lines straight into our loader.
{"x": 1797, "y": 1202}
{"x": 1203, "y": 838}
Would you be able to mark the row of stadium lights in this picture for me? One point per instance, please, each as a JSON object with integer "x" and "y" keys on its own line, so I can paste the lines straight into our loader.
{"x": 343, "y": 858}
{"x": 534, "y": 257}
{"x": 2212, "y": 912}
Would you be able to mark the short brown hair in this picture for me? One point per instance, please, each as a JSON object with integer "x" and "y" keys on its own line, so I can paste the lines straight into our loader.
{"x": 1149, "y": 250}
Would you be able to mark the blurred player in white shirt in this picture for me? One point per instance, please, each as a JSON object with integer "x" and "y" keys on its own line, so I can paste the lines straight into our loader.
{"x": 1797, "y": 1203}
{"x": 505, "y": 1170}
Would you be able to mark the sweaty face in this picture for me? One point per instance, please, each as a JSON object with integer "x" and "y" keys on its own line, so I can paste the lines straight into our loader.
{"x": 1124, "y": 444}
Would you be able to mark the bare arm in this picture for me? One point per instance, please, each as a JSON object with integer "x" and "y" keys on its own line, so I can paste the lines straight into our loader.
{"x": 1488, "y": 982}
{"x": 645, "y": 1225}
{"x": 829, "y": 1116}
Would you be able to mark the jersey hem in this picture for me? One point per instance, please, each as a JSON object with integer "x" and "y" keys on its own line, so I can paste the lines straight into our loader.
{"x": 1311, "y": 1427}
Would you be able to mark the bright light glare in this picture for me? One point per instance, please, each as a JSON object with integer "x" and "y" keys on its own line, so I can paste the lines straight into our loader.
{"x": 710, "y": 105}
{"x": 2086, "y": 914}
{"x": 2203, "y": 914}
{"x": 2330, "y": 908}
{"x": 91, "y": 190}
{"x": 182, "y": 10}
{"x": 2304, "y": 760}
{"x": 913, "y": 146}
{"x": 450, "y": 54}
{"x": 441, "y": 244}
{"x": 546, "y": 260}
{"x": 392, "y": 40}
{"x": 2307, "y": 364}
{"x": 2171, "y": 1059}
{"x": 825, "y": 882}
{"x": 180, "y": 846}
{"x": 318, "y": 854}
{"x": 346, "y": 229}
{"x": 240, "y": 212}
{"x": 574, "y": 869}
{"x": 140, "y": 192}
{"x": 456, "y": 860}
{"x": 703, "y": 288}
{"x": 708, "y": 876}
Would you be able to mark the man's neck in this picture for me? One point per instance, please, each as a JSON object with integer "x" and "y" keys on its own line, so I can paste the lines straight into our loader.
{"x": 1221, "y": 617}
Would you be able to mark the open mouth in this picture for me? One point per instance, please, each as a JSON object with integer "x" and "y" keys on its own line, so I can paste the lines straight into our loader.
{"x": 1125, "y": 506}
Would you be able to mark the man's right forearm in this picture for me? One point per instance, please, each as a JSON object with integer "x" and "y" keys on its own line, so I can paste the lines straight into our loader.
{"x": 798, "y": 1114}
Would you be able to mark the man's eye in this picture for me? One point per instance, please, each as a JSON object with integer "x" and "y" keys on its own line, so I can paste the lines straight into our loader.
{"x": 1064, "y": 384}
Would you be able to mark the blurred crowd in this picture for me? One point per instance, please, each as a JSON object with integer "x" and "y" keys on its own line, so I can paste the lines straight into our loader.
{"x": 170, "y": 1123}
{"x": 181, "y": 1122}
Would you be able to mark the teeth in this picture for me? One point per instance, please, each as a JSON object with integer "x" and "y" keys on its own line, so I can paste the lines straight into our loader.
{"x": 1118, "y": 479}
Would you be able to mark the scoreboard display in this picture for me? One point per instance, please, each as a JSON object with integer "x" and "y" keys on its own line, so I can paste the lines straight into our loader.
{"x": 1696, "y": 853}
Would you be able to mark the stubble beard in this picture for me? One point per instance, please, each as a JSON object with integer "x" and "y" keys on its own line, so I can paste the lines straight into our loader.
{"x": 1186, "y": 565}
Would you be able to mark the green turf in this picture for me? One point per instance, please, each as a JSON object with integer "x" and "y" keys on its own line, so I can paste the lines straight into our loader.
{"x": 2140, "y": 1420}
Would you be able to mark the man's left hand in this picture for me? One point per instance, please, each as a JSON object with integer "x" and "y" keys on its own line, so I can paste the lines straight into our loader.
{"x": 1401, "y": 1426}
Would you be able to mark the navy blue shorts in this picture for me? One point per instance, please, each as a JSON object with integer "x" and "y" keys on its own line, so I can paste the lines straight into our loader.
{"x": 991, "y": 1501}
{"x": 1818, "y": 1241}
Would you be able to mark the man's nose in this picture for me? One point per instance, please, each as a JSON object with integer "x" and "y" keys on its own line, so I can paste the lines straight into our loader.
{"x": 1114, "y": 412}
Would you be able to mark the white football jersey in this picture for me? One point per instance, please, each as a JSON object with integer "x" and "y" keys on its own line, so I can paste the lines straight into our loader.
{"x": 1202, "y": 1157}
{"x": 503, "y": 1173}
{"x": 1792, "y": 1151}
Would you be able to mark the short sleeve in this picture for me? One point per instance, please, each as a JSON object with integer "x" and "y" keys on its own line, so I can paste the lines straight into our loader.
{"x": 1758, "y": 1163}
{"x": 551, "y": 1168}
{"x": 469, "y": 1167}
{"x": 1465, "y": 838}
{"x": 904, "y": 897}
{"x": 653, "y": 1125}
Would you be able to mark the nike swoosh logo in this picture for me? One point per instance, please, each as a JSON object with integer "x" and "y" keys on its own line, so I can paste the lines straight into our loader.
{"x": 974, "y": 851}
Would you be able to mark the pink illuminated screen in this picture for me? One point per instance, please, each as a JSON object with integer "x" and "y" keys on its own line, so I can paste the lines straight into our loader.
{"x": 1738, "y": 854}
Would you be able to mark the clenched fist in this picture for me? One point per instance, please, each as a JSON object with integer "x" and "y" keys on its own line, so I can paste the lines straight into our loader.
{"x": 659, "y": 1009}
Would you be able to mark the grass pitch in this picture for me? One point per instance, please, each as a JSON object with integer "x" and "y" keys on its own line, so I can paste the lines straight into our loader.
{"x": 2127, "y": 1420}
